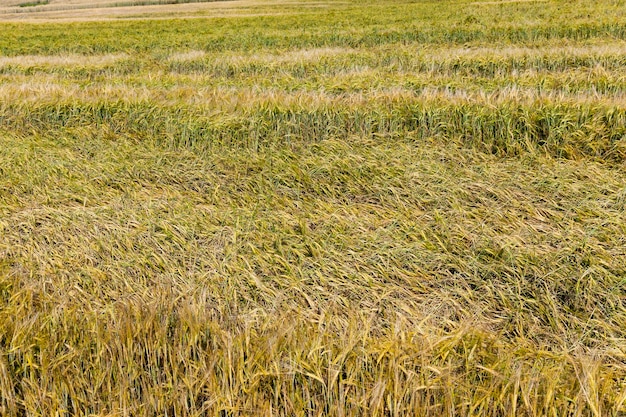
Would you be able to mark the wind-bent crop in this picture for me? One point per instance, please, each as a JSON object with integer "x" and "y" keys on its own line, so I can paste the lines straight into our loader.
{"x": 365, "y": 209}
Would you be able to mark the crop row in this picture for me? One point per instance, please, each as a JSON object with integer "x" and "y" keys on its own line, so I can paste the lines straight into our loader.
{"x": 568, "y": 131}
{"x": 328, "y": 62}
{"x": 421, "y": 63}
{"x": 97, "y": 38}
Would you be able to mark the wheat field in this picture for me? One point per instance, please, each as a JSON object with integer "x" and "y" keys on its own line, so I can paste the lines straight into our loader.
{"x": 310, "y": 208}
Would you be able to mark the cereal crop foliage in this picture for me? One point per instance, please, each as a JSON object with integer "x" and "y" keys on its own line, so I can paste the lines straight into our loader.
{"x": 400, "y": 208}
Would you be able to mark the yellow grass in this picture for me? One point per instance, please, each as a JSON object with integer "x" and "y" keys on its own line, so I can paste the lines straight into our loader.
{"x": 81, "y": 10}
{"x": 333, "y": 209}
{"x": 60, "y": 60}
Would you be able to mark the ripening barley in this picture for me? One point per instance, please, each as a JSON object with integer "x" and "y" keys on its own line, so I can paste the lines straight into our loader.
{"x": 313, "y": 209}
